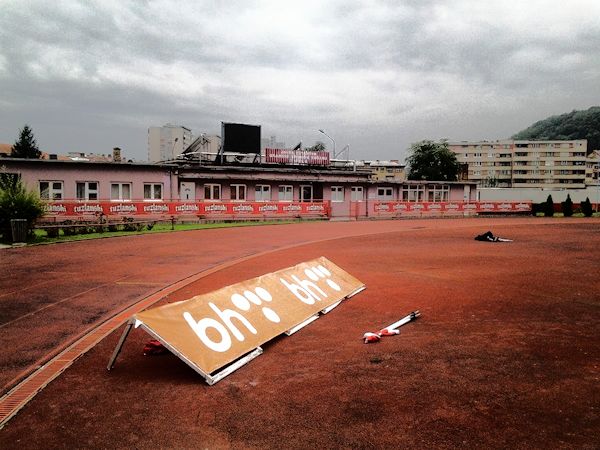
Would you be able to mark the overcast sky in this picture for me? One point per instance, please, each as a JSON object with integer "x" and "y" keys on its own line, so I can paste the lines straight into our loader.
{"x": 377, "y": 75}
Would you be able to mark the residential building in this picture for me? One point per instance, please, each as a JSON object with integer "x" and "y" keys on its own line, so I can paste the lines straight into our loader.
{"x": 168, "y": 141}
{"x": 524, "y": 163}
{"x": 383, "y": 170}
{"x": 592, "y": 169}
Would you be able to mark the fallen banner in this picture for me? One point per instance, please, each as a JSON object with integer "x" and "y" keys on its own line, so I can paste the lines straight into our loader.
{"x": 226, "y": 327}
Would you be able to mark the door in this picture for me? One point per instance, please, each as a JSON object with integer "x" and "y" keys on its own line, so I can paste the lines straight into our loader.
{"x": 187, "y": 191}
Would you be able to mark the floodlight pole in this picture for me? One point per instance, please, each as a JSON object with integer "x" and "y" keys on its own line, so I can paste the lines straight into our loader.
{"x": 332, "y": 140}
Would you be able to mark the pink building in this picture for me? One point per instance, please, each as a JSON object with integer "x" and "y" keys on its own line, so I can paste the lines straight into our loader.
{"x": 189, "y": 190}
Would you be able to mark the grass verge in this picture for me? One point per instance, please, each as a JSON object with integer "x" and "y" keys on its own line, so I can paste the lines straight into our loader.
{"x": 41, "y": 237}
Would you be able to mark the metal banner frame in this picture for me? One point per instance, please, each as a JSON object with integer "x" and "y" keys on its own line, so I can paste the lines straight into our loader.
{"x": 226, "y": 369}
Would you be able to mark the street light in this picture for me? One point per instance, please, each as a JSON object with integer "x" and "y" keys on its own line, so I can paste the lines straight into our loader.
{"x": 332, "y": 140}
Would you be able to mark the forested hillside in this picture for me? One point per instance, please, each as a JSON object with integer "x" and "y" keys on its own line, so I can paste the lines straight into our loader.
{"x": 574, "y": 125}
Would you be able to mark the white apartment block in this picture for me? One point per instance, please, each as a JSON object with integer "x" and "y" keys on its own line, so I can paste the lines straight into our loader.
{"x": 168, "y": 141}
{"x": 524, "y": 163}
{"x": 592, "y": 171}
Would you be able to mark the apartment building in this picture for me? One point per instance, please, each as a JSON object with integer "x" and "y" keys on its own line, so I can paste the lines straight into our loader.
{"x": 524, "y": 164}
{"x": 592, "y": 170}
{"x": 168, "y": 141}
{"x": 382, "y": 170}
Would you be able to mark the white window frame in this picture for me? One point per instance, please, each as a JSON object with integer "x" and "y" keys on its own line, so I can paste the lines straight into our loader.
{"x": 357, "y": 194}
{"x": 286, "y": 193}
{"x": 385, "y": 193}
{"x": 439, "y": 193}
{"x": 238, "y": 192}
{"x": 302, "y": 196}
{"x": 120, "y": 196}
{"x": 89, "y": 193}
{"x": 337, "y": 194}
{"x": 262, "y": 193}
{"x": 154, "y": 195}
{"x": 52, "y": 192}
{"x": 213, "y": 190}
{"x": 413, "y": 193}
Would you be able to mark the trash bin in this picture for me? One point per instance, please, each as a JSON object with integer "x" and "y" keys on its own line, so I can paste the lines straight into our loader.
{"x": 19, "y": 229}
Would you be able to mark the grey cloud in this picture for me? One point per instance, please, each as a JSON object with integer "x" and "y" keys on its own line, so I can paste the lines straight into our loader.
{"x": 432, "y": 79}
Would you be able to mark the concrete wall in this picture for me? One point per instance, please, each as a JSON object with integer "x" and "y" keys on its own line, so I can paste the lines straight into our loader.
{"x": 539, "y": 195}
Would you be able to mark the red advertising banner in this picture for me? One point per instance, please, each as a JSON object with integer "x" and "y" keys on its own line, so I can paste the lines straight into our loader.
{"x": 82, "y": 209}
{"x": 395, "y": 208}
{"x": 211, "y": 330}
{"x": 296, "y": 157}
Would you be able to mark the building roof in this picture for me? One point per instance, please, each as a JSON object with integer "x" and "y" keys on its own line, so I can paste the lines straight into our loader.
{"x": 85, "y": 162}
{"x": 6, "y": 148}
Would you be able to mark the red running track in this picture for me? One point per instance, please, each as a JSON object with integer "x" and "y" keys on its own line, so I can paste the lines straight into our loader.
{"x": 505, "y": 354}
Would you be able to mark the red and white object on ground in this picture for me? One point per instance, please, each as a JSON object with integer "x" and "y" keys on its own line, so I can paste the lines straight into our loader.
{"x": 390, "y": 330}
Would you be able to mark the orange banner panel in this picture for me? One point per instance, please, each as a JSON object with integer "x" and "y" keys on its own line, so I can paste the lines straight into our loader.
{"x": 212, "y": 330}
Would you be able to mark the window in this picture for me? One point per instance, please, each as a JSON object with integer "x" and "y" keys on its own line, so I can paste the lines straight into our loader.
{"x": 238, "y": 192}
{"x": 51, "y": 190}
{"x": 87, "y": 190}
{"x": 120, "y": 191}
{"x": 286, "y": 193}
{"x": 385, "y": 193}
{"x": 212, "y": 192}
{"x": 357, "y": 194}
{"x": 306, "y": 193}
{"x": 337, "y": 193}
{"x": 439, "y": 193}
{"x": 153, "y": 191}
{"x": 413, "y": 193}
{"x": 262, "y": 193}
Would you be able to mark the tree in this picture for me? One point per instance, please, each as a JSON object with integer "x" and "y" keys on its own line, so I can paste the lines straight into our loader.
{"x": 574, "y": 125}
{"x": 17, "y": 202}
{"x": 586, "y": 207}
{"x": 26, "y": 146}
{"x": 490, "y": 182}
{"x": 549, "y": 207}
{"x": 318, "y": 147}
{"x": 567, "y": 206}
{"x": 432, "y": 161}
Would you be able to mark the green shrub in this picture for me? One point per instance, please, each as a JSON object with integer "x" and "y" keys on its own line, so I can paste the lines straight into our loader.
{"x": 549, "y": 207}
{"x": 17, "y": 202}
{"x": 52, "y": 232}
{"x": 586, "y": 208}
{"x": 128, "y": 224}
{"x": 567, "y": 206}
{"x": 68, "y": 229}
